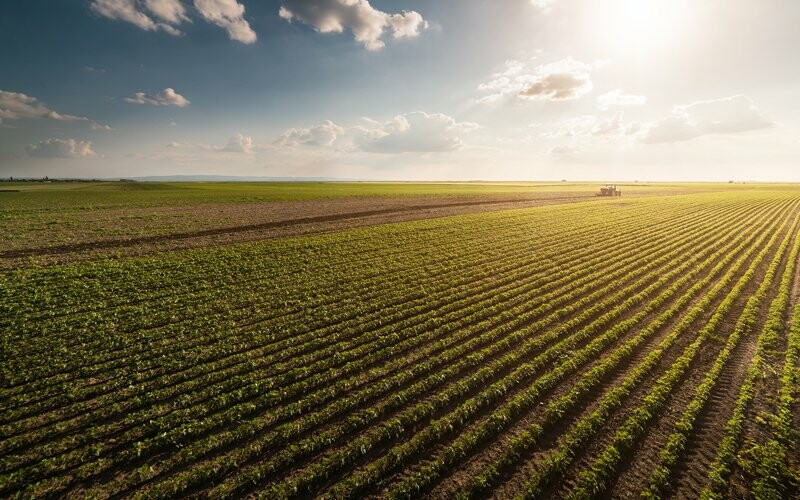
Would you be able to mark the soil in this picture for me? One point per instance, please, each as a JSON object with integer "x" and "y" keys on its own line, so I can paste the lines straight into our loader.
{"x": 149, "y": 230}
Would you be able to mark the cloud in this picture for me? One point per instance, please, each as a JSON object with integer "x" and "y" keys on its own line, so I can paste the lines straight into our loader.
{"x": 320, "y": 135}
{"x": 616, "y": 98}
{"x": 365, "y": 22}
{"x": 16, "y": 106}
{"x": 167, "y": 97}
{"x": 562, "y": 80}
{"x": 229, "y": 15}
{"x": 60, "y": 148}
{"x": 608, "y": 126}
{"x": 563, "y": 150}
{"x": 416, "y": 132}
{"x": 170, "y": 11}
{"x": 93, "y": 70}
{"x": 167, "y": 15}
{"x": 239, "y": 144}
{"x": 730, "y": 115}
{"x": 588, "y": 126}
{"x": 556, "y": 86}
{"x": 585, "y": 132}
{"x": 132, "y": 11}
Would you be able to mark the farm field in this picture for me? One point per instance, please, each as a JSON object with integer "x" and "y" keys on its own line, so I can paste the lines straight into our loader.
{"x": 399, "y": 340}
{"x": 78, "y": 221}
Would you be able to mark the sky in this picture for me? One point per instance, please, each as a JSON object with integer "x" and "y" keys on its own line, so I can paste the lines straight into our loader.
{"x": 692, "y": 90}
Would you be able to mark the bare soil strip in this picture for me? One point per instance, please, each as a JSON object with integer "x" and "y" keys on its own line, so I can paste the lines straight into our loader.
{"x": 323, "y": 217}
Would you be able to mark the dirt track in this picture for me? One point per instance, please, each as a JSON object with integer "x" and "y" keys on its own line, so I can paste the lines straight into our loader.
{"x": 219, "y": 224}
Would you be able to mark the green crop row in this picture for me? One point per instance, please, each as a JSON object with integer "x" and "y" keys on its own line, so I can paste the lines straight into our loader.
{"x": 413, "y": 413}
{"x": 726, "y": 454}
{"x": 557, "y": 408}
{"x": 84, "y": 453}
{"x": 501, "y": 418}
{"x": 412, "y": 314}
{"x": 676, "y": 442}
{"x": 381, "y": 360}
{"x": 594, "y": 480}
{"x": 588, "y": 425}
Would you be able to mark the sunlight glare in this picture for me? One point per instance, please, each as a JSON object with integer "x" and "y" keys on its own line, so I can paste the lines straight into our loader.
{"x": 641, "y": 26}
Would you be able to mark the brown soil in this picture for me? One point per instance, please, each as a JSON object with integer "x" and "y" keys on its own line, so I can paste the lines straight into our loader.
{"x": 690, "y": 475}
{"x": 141, "y": 231}
{"x": 635, "y": 469}
{"x": 476, "y": 463}
{"x": 514, "y": 478}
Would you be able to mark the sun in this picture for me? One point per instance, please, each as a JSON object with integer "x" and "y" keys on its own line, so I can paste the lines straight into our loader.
{"x": 640, "y": 26}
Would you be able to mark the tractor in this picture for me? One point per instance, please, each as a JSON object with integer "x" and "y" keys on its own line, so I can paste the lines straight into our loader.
{"x": 609, "y": 190}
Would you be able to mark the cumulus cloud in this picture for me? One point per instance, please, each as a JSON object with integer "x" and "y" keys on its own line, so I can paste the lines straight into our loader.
{"x": 367, "y": 23}
{"x": 416, "y": 132}
{"x": 229, "y": 15}
{"x": 60, "y": 148}
{"x": 167, "y": 97}
{"x": 558, "y": 81}
{"x": 617, "y": 98}
{"x": 167, "y": 15}
{"x": 16, "y": 106}
{"x": 587, "y": 126}
{"x": 239, "y": 144}
{"x": 320, "y": 135}
{"x": 730, "y": 115}
{"x": 170, "y": 11}
{"x": 123, "y": 10}
{"x": 608, "y": 126}
{"x": 136, "y": 13}
{"x": 556, "y": 86}
{"x": 585, "y": 132}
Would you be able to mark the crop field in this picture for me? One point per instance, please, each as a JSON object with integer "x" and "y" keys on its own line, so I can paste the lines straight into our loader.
{"x": 399, "y": 341}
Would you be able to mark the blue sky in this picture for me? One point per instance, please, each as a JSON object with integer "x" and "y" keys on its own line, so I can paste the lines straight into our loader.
{"x": 413, "y": 89}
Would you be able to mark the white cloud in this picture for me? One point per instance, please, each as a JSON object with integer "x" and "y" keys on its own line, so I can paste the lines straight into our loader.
{"x": 239, "y": 144}
{"x": 320, "y": 135}
{"x": 563, "y": 150}
{"x": 562, "y": 80}
{"x": 123, "y": 10}
{"x": 366, "y": 23}
{"x": 171, "y": 11}
{"x": 608, "y": 126}
{"x": 586, "y": 132}
{"x": 587, "y": 126}
{"x": 229, "y": 15}
{"x": 167, "y": 15}
{"x": 133, "y": 12}
{"x": 60, "y": 148}
{"x": 16, "y": 106}
{"x": 730, "y": 115}
{"x": 167, "y": 97}
{"x": 416, "y": 132}
{"x": 616, "y": 98}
